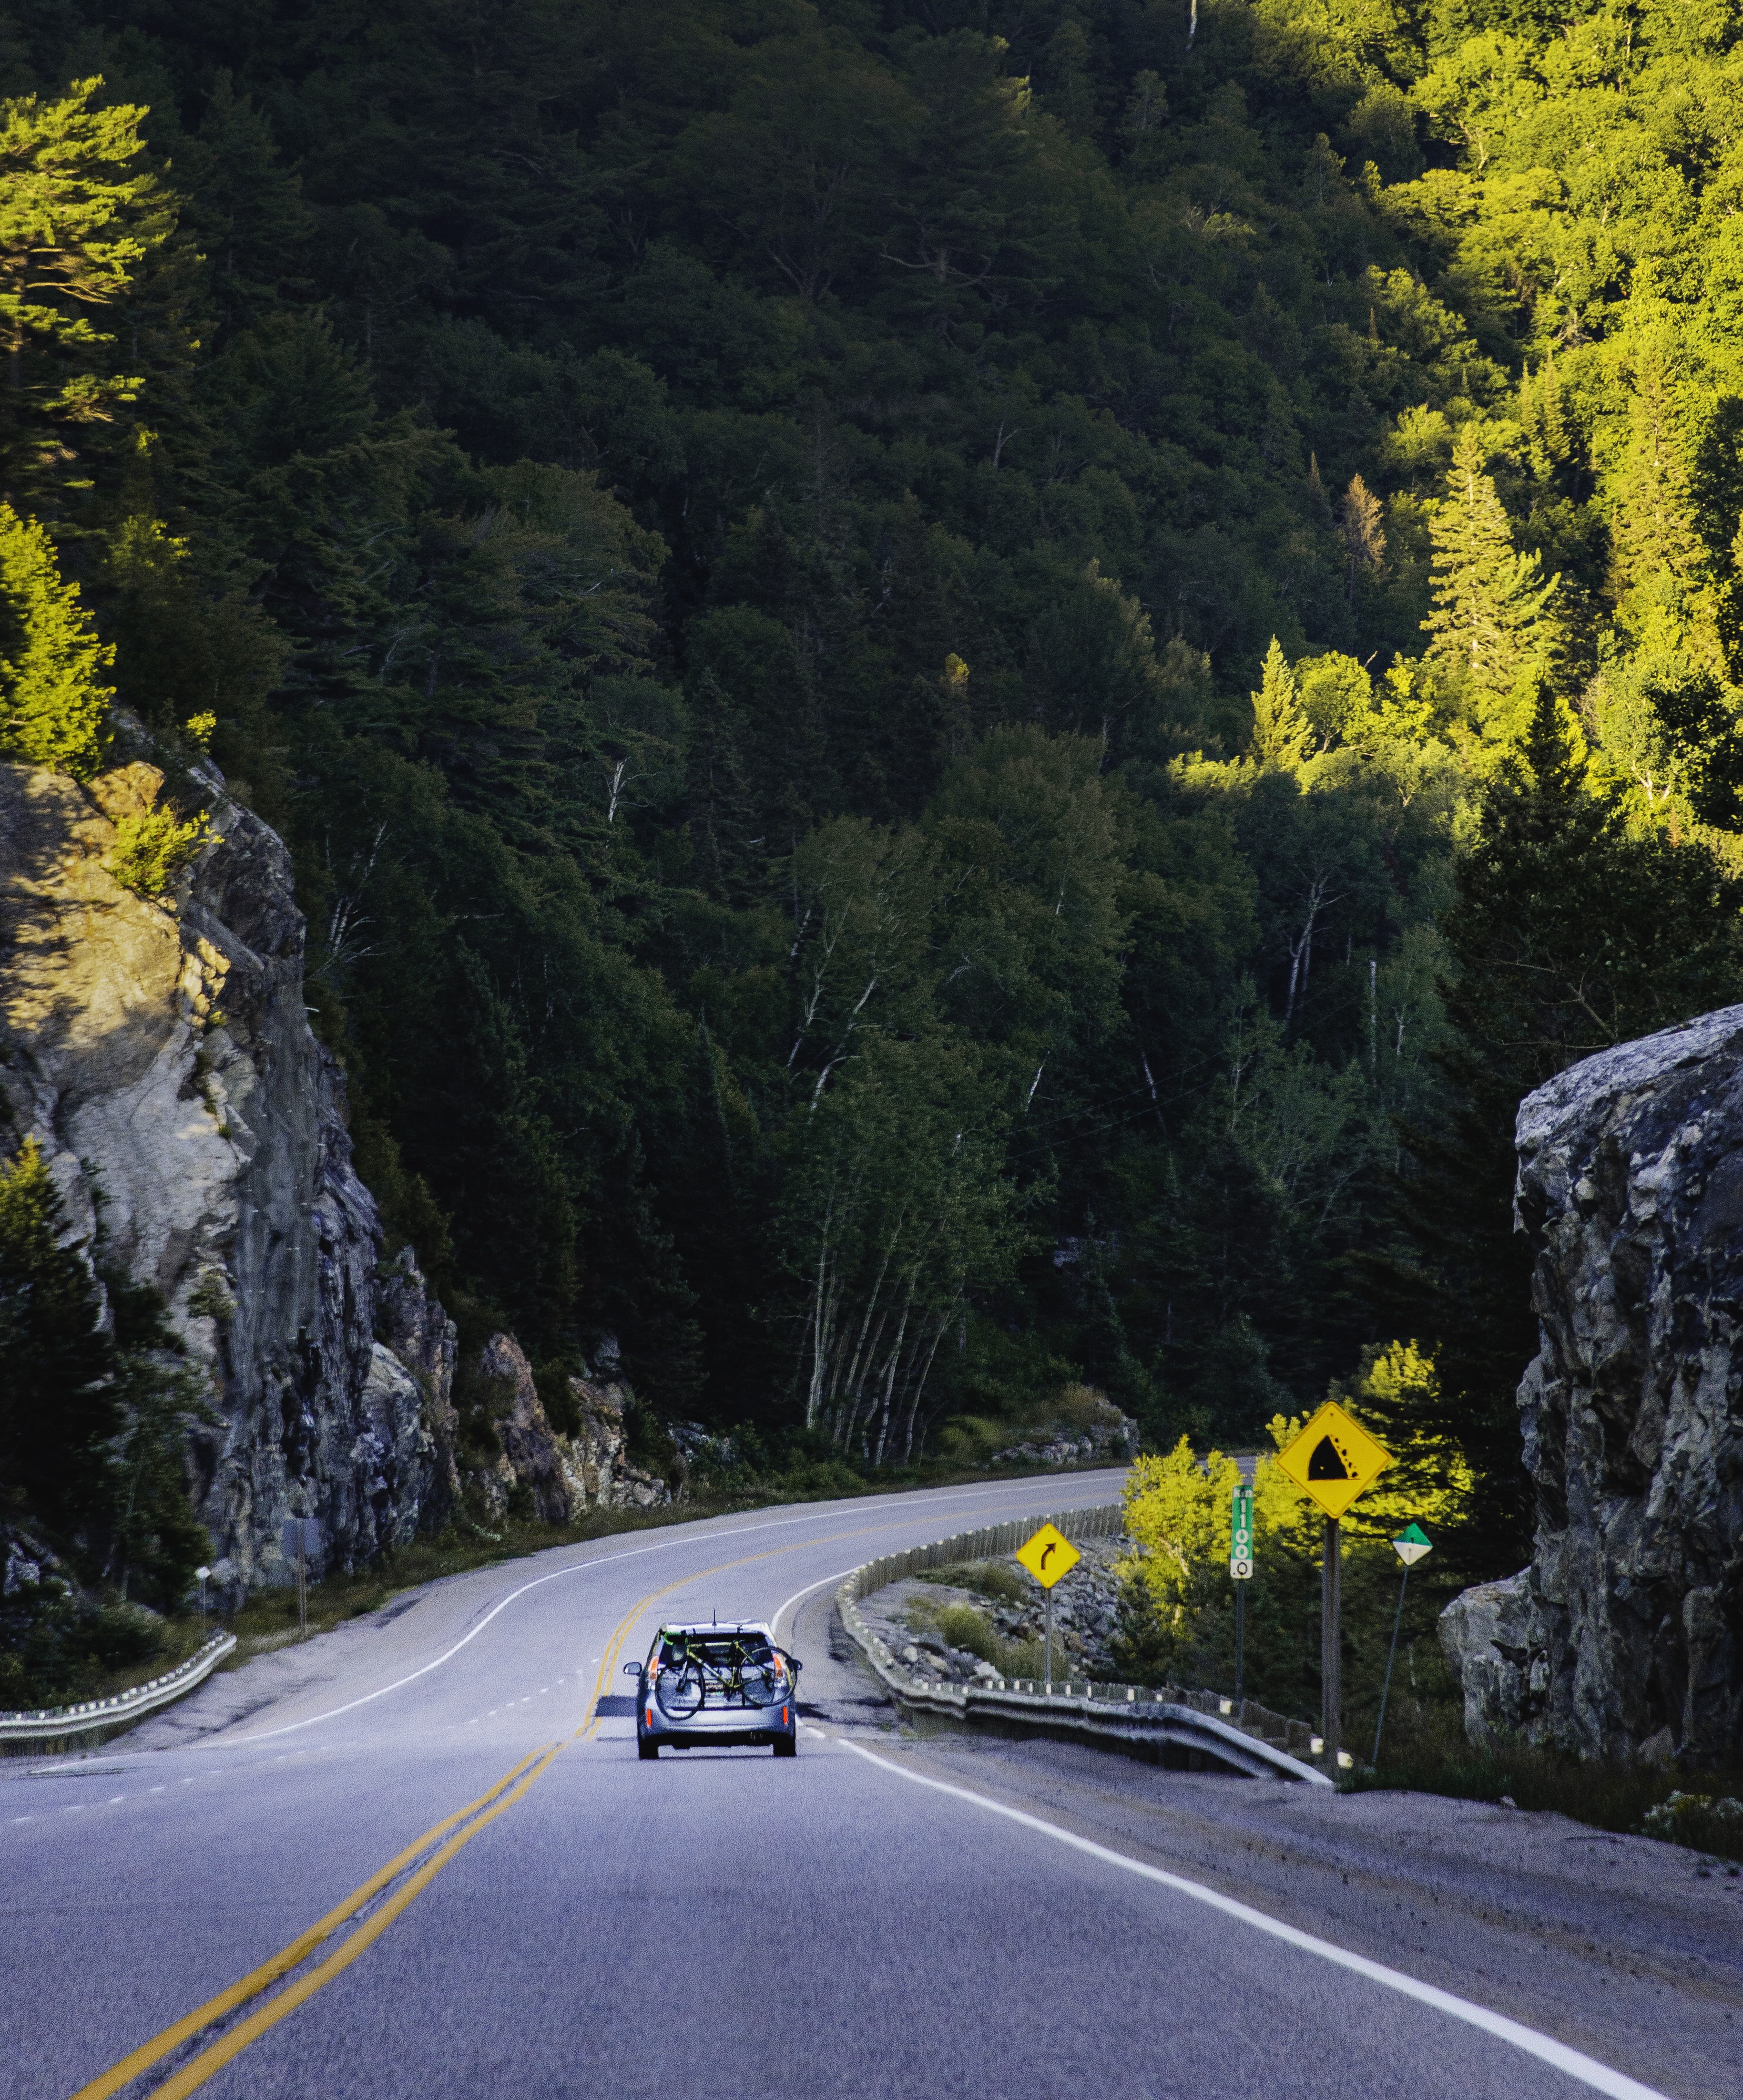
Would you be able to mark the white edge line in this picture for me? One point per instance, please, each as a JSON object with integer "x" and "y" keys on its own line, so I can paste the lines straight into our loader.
{"x": 781, "y": 1610}
{"x": 1587, "y": 2069}
{"x": 578, "y": 1567}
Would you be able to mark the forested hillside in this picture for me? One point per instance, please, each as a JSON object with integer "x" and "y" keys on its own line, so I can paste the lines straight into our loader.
{"x": 962, "y": 690}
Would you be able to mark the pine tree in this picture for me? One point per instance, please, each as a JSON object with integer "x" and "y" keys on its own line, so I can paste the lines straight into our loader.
{"x": 1541, "y": 418}
{"x": 58, "y": 1408}
{"x": 1282, "y": 735}
{"x": 1661, "y": 565}
{"x": 1360, "y": 528}
{"x": 246, "y": 210}
{"x": 1491, "y": 622}
{"x": 721, "y": 809}
{"x": 52, "y": 707}
{"x": 74, "y": 228}
{"x": 1565, "y": 936}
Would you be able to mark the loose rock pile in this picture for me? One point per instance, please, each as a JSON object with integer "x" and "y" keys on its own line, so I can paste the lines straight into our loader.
{"x": 1085, "y": 1618}
{"x": 1111, "y": 1442}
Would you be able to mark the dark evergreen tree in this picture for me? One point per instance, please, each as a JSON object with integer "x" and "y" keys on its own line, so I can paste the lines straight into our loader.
{"x": 1566, "y": 934}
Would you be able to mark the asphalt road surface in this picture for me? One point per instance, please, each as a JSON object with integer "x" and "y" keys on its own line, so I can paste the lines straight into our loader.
{"x": 409, "y": 1859}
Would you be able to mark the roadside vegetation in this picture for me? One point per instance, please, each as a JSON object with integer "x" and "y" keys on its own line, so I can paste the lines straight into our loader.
{"x": 1176, "y": 1626}
{"x": 1428, "y": 1751}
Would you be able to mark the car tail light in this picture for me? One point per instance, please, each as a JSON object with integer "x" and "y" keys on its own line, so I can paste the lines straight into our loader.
{"x": 651, "y": 1717}
{"x": 785, "y": 1713}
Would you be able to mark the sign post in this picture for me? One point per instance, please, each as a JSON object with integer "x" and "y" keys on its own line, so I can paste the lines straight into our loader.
{"x": 1410, "y": 1545}
{"x": 301, "y": 1535}
{"x": 1048, "y": 1555}
{"x": 201, "y": 1576}
{"x": 1333, "y": 1460}
{"x": 1240, "y": 1571}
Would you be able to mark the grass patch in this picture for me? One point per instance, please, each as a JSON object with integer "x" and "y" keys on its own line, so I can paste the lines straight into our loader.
{"x": 991, "y": 1579}
{"x": 1428, "y": 1752}
{"x": 963, "y": 1627}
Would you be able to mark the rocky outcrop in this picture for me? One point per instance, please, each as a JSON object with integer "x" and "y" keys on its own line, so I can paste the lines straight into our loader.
{"x": 1625, "y": 1635}
{"x": 595, "y": 1456}
{"x": 1088, "y": 1430}
{"x": 564, "y": 1475}
{"x": 1110, "y": 1443}
{"x": 161, "y": 1054}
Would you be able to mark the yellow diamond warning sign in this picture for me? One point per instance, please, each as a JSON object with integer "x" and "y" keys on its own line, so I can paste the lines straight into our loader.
{"x": 1048, "y": 1555}
{"x": 1334, "y": 1459}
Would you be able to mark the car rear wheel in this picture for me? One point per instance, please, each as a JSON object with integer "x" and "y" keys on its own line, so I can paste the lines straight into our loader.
{"x": 787, "y": 1746}
{"x": 644, "y": 1749}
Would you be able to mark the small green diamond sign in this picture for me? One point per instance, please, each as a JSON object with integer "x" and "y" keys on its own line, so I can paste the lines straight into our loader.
{"x": 1411, "y": 1544}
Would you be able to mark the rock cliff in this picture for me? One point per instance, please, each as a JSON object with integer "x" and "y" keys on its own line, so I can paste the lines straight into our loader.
{"x": 564, "y": 1474}
{"x": 161, "y": 1054}
{"x": 1625, "y": 1634}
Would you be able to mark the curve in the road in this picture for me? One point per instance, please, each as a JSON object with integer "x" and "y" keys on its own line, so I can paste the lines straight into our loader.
{"x": 945, "y": 1941}
{"x": 1545, "y": 2048}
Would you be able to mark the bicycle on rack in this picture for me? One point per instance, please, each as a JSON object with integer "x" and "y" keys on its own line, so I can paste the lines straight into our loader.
{"x": 739, "y": 1670}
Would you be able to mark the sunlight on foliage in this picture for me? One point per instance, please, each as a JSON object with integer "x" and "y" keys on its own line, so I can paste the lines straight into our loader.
{"x": 53, "y": 706}
{"x": 150, "y": 851}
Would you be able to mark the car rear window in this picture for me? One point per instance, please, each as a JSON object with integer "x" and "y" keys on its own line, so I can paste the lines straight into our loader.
{"x": 717, "y": 1654}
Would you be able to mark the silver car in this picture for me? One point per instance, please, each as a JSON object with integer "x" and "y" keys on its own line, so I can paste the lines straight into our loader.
{"x": 715, "y": 1684}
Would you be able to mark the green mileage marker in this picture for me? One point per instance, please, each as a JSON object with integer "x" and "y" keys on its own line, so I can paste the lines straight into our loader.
{"x": 1240, "y": 1571}
{"x": 1240, "y": 1535}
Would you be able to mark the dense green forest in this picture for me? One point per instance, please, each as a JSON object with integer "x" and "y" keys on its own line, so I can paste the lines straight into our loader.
{"x": 962, "y": 688}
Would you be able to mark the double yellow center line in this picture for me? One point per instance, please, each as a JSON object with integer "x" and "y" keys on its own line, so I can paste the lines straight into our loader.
{"x": 198, "y": 2069}
{"x": 465, "y": 1825}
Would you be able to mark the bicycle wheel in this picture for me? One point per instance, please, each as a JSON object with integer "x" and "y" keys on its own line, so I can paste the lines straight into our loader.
{"x": 681, "y": 1691}
{"x": 760, "y": 1686}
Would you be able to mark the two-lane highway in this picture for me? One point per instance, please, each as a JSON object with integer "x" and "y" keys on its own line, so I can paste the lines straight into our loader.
{"x": 424, "y": 1867}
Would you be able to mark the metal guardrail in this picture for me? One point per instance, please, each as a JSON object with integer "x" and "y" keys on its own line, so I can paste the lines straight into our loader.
{"x": 1123, "y": 1714}
{"x": 50, "y": 1725}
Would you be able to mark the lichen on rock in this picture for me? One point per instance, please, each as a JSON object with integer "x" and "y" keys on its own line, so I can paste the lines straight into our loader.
{"x": 1625, "y": 1634}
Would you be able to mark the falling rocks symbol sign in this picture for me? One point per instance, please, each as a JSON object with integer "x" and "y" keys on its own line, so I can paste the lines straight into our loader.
{"x": 1334, "y": 1459}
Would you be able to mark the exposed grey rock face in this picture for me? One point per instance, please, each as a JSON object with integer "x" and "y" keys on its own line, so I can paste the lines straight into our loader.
{"x": 161, "y": 1054}
{"x": 1625, "y": 1635}
{"x": 564, "y": 1475}
{"x": 529, "y": 1446}
{"x": 595, "y": 1457}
